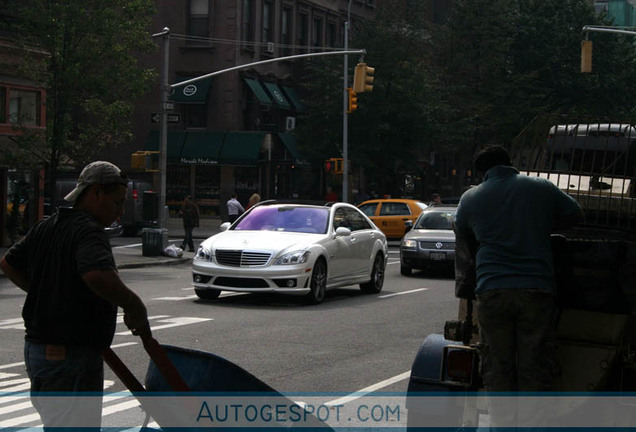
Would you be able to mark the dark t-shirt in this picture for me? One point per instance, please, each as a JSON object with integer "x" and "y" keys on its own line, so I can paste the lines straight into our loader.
{"x": 60, "y": 308}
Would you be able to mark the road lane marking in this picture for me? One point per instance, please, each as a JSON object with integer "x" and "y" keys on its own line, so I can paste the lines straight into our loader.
{"x": 124, "y": 344}
{"x": 194, "y": 297}
{"x": 190, "y": 297}
{"x": 17, "y": 407}
{"x": 171, "y": 322}
{"x": 13, "y": 381}
{"x": 10, "y": 365}
{"x": 356, "y": 395}
{"x": 403, "y": 292}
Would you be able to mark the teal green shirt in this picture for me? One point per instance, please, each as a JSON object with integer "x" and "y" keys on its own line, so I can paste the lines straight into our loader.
{"x": 511, "y": 216}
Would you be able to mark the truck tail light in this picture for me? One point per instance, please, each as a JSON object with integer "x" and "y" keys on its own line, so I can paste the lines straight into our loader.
{"x": 460, "y": 364}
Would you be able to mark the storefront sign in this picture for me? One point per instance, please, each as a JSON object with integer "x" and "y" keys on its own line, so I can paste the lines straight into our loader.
{"x": 199, "y": 161}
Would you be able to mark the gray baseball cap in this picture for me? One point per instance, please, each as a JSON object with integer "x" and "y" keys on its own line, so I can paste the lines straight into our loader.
{"x": 97, "y": 173}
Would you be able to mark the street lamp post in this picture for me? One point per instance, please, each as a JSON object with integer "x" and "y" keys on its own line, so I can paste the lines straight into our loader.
{"x": 345, "y": 118}
{"x": 163, "y": 130}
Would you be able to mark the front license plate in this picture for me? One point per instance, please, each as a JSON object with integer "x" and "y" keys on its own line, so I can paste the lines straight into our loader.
{"x": 438, "y": 256}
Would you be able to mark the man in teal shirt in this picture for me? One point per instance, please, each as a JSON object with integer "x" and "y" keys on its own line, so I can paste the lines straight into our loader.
{"x": 508, "y": 219}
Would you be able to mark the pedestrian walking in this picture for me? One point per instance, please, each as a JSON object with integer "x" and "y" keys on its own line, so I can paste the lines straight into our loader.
{"x": 189, "y": 212}
{"x": 331, "y": 196}
{"x": 435, "y": 200}
{"x": 506, "y": 222}
{"x": 234, "y": 208}
{"x": 255, "y": 198}
{"x": 66, "y": 266}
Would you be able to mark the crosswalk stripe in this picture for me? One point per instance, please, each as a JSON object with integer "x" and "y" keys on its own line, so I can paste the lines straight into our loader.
{"x": 18, "y": 388}
{"x": 123, "y": 406}
{"x": 16, "y": 407}
{"x": 11, "y": 365}
{"x": 17, "y": 421}
{"x": 12, "y": 382}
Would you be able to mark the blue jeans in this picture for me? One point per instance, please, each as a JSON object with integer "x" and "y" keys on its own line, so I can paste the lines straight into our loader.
{"x": 75, "y": 374}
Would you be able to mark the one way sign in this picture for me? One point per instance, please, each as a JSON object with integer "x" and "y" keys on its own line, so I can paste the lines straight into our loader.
{"x": 172, "y": 118}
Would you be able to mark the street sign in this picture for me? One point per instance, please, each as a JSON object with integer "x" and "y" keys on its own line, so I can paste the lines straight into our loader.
{"x": 172, "y": 118}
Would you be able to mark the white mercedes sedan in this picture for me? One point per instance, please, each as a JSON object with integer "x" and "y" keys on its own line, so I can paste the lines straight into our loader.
{"x": 297, "y": 249}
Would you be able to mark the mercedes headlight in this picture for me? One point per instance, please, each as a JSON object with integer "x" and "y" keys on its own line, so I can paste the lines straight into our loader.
{"x": 203, "y": 254}
{"x": 411, "y": 244}
{"x": 298, "y": 257}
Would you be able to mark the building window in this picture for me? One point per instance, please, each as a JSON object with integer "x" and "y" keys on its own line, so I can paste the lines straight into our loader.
{"x": 316, "y": 38}
{"x": 331, "y": 34}
{"x": 302, "y": 29}
{"x": 285, "y": 30}
{"x": 248, "y": 21}
{"x": 267, "y": 22}
{"x": 24, "y": 107}
{"x": 601, "y": 6}
{"x": 195, "y": 116}
{"x": 199, "y": 19}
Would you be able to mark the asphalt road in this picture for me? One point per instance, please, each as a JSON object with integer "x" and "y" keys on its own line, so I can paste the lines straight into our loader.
{"x": 352, "y": 342}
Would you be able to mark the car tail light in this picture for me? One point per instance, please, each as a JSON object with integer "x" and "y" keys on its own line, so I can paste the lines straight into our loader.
{"x": 135, "y": 194}
{"x": 460, "y": 363}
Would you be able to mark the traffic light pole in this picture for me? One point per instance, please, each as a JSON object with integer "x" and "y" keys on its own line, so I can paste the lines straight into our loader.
{"x": 163, "y": 131}
{"x": 345, "y": 114}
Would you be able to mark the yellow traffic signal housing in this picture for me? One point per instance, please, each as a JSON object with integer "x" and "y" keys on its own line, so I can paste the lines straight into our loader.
{"x": 138, "y": 160}
{"x": 363, "y": 78}
{"x": 338, "y": 162}
{"x": 145, "y": 161}
{"x": 353, "y": 100}
{"x": 586, "y": 56}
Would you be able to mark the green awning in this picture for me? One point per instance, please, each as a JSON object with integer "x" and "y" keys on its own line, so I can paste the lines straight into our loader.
{"x": 277, "y": 95}
{"x": 196, "y": 92}
{"x": 293, "y": 97}
{"x": 259, "y": 91}
{"x": 202, "y": 148}
{"x": 289, "y": 141}
{"x": 241, "y": 148}
{"x": 175, "y": 143}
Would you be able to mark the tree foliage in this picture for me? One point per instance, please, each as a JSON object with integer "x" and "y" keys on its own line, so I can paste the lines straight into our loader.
{"x": 394, "y": 122}
{"x": 90, "y": 72}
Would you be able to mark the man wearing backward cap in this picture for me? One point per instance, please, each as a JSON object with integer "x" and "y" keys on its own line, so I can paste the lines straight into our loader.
{"x": 65, "y": 265}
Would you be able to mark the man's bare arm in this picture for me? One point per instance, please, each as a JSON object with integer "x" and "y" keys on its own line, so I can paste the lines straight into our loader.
{"x": 20, "y": 279}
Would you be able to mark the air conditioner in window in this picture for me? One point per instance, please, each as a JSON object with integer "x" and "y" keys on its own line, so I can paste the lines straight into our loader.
{"x": 290, "y": 123}
{"x": 270, "y": 47}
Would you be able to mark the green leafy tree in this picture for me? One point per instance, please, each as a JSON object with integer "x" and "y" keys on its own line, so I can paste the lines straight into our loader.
{"x": 85, "y": 57}
{"x": 392, "y": 127}
{"x": 509, "y": 61}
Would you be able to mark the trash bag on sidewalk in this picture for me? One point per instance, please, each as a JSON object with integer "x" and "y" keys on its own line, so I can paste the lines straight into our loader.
{"x": 173, "y": 251}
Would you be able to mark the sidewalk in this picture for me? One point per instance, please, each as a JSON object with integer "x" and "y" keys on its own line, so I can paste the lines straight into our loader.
{"x": 130, "y": 256}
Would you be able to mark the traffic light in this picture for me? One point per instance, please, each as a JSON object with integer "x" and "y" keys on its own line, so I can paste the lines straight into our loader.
{"x": 363, "y": 78}
{"x": 330, "y": 165}
{"x": 586, "y": 56}
{"x": 338, "y": 162}
{"x": 353, "y": 100}
{"x": 145, "y": 161}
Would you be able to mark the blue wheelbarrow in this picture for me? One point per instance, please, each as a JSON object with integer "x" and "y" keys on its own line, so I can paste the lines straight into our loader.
{"x": 188, "y": 389}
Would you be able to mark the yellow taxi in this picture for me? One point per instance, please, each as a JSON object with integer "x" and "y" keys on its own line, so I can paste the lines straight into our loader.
{"x": 390, "y": 215}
